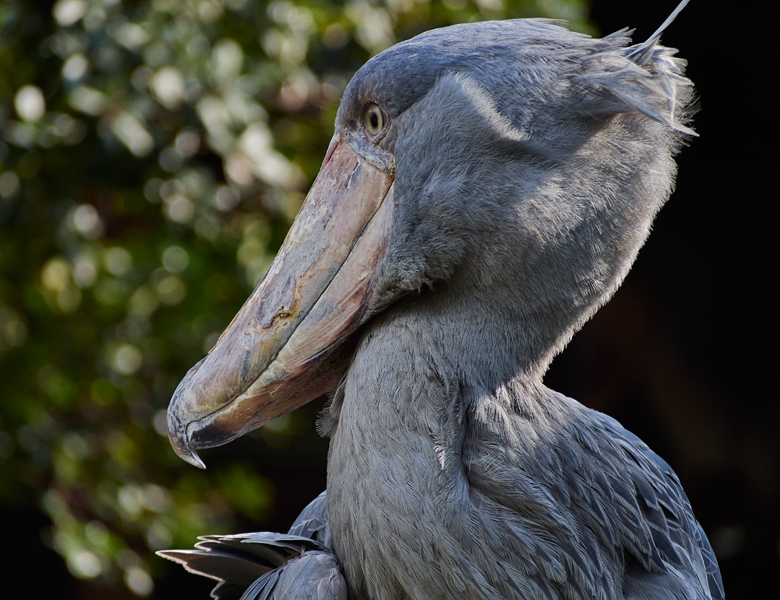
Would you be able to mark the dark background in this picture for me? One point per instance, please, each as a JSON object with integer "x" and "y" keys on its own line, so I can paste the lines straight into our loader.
{"x": 681, "y": 355}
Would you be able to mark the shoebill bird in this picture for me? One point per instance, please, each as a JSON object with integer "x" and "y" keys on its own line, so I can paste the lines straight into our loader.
{"x": 486, "y": 190}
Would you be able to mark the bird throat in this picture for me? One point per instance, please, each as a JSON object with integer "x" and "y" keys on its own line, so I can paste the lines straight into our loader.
{"x": 406, "y": 518}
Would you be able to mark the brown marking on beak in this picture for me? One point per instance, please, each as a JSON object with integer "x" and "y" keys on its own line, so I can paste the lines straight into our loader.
{"x": 285, "y": 347}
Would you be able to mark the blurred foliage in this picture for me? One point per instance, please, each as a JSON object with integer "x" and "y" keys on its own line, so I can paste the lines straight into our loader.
{"x": 152, "y": 155}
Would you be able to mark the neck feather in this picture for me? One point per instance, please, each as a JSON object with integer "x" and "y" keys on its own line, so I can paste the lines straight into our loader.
{"x": 420, "y": 449}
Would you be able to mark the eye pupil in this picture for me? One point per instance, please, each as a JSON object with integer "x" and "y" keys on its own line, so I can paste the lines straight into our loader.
{"x": 373, "y": 120}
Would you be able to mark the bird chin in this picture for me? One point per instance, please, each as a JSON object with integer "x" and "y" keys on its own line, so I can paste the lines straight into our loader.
{"x": 289, "y": 343}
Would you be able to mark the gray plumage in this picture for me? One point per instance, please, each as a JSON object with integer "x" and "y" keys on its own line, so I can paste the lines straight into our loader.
{"x": 529, "y": 163}
{"x": 270, "y": 566}
{"x": 313, "y": 522}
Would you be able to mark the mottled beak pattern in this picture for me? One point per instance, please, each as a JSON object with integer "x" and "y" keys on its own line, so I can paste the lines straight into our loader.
{"x": 285, "y": 347}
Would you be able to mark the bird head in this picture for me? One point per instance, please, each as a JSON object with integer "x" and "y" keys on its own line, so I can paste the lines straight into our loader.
{"x": 512, "y": 160}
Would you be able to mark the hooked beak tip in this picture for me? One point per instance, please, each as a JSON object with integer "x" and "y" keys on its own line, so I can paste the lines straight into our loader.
{"x": 181, "y": 441}
{"x": 179, "y": 421}
{"x": 185, "y": 452}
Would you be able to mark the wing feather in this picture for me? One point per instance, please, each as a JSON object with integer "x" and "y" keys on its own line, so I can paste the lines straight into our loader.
{"x": 299, "y": 565}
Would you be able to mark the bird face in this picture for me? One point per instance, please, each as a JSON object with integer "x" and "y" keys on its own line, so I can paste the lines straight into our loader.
{"x": 485, "y": 155}
{"x": 289, "y": 342}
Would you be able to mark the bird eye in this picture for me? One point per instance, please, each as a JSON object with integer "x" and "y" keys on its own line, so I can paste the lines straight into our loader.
{"x": 373, "y": 120}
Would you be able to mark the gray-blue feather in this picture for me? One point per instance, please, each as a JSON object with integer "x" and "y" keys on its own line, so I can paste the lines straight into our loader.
{"x": 313, "y": 522}
{"x": 271, "y": 566}
{"x": 529, "y": 163}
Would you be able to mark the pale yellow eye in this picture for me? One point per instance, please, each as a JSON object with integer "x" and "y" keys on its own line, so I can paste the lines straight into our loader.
{"x": 373, "y": 120}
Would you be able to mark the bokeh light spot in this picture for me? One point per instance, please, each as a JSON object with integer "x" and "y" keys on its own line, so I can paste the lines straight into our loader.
{"x": 87, "y": 221}
{"x": 84, "y": 564}
{"x": 9, "y": 184}
{"x": 67, "y": 12}
{"x": 179, "y": 209}
{"x": 171, "y": 290}
{"x": 168, "y": 85}
{"x": 175, "y": 259}
{"x": 117, "y": 261}
{"x": 139, "y": 581}
{"x": 75, "y": 67}
{"x": 127, "y": 359}
{"x": 55, "y": 274}
{"x": 29, "y": 103}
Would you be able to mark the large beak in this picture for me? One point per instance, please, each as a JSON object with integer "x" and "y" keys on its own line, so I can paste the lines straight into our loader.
{"x": 285, "y": 347}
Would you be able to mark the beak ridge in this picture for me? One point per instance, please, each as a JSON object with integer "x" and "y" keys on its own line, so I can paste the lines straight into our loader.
{"x": 285, "y": 346}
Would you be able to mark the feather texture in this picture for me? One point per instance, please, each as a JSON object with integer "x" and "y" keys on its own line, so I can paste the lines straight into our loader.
{"x": 270, "y": 566}
{"x": 528, "y": 163}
